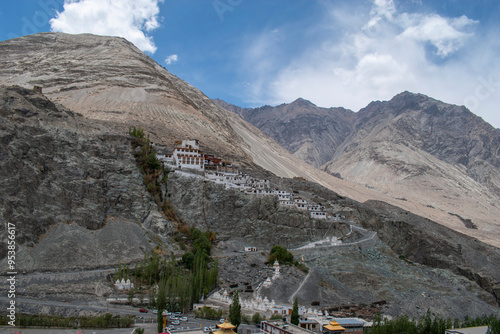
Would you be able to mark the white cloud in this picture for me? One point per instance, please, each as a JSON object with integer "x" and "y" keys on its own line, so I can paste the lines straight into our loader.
{"x": 379, "y": 54}
{"x": 441, "y": 32}
{"x": 171, "y": 59}
{"x": 131, "y": 19}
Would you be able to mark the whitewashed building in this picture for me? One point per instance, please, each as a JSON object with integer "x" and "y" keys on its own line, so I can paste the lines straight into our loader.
{"x": 186, "y": 154}
{"x": 301, "y": 203}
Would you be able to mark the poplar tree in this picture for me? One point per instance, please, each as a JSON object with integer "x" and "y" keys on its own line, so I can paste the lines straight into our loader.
{"x": 235, "y": 310}
{"x": 161, "y": 303}
{"x": 295, "y": 313}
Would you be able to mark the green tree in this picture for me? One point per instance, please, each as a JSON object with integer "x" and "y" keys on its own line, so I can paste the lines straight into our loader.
{"x": 494, "y": 326}
{"x": 281, "y": 254}
{"x": 188, "y": 259}
{"x": 235, "y": 310}
{"x": 257, "y": 318}
{"x": 161, "y": 303}
{"x": 152, "y": 162}
{"x": 131, "y": 293}
{"x": 152, "y": 299}
{"x": 295, "y": 313}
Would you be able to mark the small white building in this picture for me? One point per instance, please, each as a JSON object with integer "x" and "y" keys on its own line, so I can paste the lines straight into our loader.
{"x": 318, "y": 215}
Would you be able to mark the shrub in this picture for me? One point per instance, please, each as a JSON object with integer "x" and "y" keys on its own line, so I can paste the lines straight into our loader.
{"x": 281, "y": 254}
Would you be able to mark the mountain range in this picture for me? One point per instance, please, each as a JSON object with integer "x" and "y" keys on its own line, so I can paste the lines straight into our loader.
{"x": 421, "y": 173}
{"x": 441, "y": 158}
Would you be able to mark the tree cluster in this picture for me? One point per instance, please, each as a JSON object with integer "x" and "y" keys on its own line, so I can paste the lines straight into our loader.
{"x": 151, "y": 170}
{"x": 210, "y": 313}
{"x": 429, "y": 325}
{"x": 285, "y": 257}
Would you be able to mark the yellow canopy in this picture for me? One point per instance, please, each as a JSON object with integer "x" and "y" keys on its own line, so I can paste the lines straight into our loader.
{"x": 334, "y": 326}
{"x": 225, "y": 328}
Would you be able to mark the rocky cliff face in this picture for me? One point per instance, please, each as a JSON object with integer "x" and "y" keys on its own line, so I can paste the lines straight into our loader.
{"x": 243, "y": 220}
{"x": 410, "y": 258}
{"x": 70, "y": 186}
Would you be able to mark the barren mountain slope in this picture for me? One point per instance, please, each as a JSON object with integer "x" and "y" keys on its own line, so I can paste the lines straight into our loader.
{"x": 315, "y": 143}
{"x": 107, "y": 78}
{"x": 419, "y": 149}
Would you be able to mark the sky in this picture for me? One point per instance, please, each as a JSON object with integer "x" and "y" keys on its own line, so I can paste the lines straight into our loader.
{"x": 332, "y": 52}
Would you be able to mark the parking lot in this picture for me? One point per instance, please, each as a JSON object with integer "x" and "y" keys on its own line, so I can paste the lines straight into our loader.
{"x": 178, "y": 321}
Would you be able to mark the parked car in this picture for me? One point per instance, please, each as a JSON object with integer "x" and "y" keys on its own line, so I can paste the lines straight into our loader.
{"x": 222, "y": 320}
{"x": 175, "y": 322}
{"x": 206, "y": 329}
{"x": 155, "y": 311}
{"x": 183, "y": 319}
{"x": 166, "y": 313}
{"x": 173, "y": 317}
{"x": 143, "y": 310}
{"x": 171, "y": 327}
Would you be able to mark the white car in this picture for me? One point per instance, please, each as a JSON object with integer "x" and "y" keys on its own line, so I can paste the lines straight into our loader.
{"x": 183, "y": 319}
{"x": 155, "y": 311}
{"x": 175, "y": 322}
{"x": 222, "y": 320}
{"x": 206, "y": 329}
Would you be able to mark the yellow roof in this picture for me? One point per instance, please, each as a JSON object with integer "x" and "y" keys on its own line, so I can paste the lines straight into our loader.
{"x": 334, "y": 326}
{"x": 224, "y": 331}
{"x": 226, "y": 326}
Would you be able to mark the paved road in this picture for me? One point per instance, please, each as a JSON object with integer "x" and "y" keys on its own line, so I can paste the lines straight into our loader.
{"x": 111, "y": 309}
{"x": 77, "y": 273}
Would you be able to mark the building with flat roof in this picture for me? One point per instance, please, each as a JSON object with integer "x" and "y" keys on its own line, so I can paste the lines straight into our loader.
{"x": 352, "y": 326}
{"x": 281, "y": 327}
{"x": 310, "y": 324}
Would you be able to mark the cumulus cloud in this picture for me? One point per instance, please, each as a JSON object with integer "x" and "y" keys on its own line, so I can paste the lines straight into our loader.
{"x": 443, "y": 33}
{"x": 171, "y": 59}
{"x": 380, "y": 54}
{"x": 131, "y": 19}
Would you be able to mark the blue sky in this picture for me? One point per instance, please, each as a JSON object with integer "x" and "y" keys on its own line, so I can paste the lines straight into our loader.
{"x": 332, "y": 52}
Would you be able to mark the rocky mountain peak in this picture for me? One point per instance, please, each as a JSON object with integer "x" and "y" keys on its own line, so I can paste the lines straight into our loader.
{"x": 300, "y": 102}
